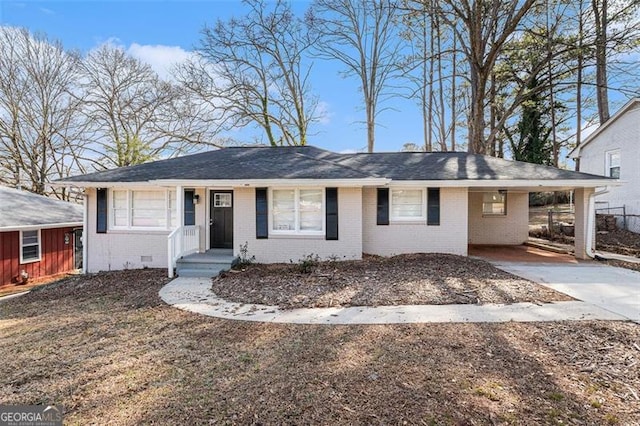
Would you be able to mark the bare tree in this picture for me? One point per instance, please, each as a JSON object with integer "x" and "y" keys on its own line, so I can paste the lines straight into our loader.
{"x": 252, "y": 71}
{"x": 482, "y": 28}
{"x": 362, "y": 35}
{"x": 135, "y": 117}
{"x": 39, "y": 131}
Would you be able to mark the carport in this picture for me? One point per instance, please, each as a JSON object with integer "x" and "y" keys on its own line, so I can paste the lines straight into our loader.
{"x": 498, "y": 218}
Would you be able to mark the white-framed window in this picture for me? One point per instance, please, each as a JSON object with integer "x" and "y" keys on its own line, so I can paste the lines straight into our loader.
{"x": 612, "y": 166}
{"x": 494, "y": 203}
{"x": 408, "y": 204}
{"x": 143, "y": 209}
{"x": 30, "y": 246}
{"x": 297, "y": 211}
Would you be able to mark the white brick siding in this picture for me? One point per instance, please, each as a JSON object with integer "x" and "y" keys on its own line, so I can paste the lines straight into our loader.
{"x": 117, "y": 250}
{"x": 397, "y": 238}
{"x": 511, "y": 229}
{"x": 623, "y": 134}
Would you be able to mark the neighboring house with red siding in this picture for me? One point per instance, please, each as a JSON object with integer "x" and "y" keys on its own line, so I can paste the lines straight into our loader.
{"x": 39, "y": 236}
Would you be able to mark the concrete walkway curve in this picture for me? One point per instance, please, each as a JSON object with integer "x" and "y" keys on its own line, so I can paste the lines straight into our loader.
{"x": 195, "y": 295}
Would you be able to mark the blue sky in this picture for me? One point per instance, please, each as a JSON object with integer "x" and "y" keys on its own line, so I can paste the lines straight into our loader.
{"x": 159, "y": 31}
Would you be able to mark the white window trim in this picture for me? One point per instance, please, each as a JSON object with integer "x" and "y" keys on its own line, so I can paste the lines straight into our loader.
{"x": 607, "y": 161}
{"x": 22, "y": 261}
{"x": 506, "y": 205}
{"x": 129, "y": 208}
{"x": 297, "y": 212}
{"x": 423, "y": 212}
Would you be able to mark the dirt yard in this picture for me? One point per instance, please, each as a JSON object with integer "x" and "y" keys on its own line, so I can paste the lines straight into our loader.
{"x": 108, "y": 350}
{"x": 620, "y": 241}
{"x": 431, "y": 279}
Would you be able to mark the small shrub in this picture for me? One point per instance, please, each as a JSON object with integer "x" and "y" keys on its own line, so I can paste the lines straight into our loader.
{"x": 307, "y": 263}
{"x": 244, "y": 259}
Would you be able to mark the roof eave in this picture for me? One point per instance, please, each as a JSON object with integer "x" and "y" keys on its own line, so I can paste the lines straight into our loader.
{"x": 603, "y": 126}
{"x": 512, "y": 183}
{"x": 39, "y": 226}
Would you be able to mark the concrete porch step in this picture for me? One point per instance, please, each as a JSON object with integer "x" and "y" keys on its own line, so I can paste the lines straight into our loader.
{"x": 200, "y": 273}
{"x": 208, "y": 264}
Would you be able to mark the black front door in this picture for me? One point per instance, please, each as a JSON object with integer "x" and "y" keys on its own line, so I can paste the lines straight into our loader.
{"x": 221, "y": 221}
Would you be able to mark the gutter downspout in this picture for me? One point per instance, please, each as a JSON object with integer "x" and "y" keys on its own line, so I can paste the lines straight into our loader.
{"x": 85, "y": 232}
{"x": 591, "y": 221}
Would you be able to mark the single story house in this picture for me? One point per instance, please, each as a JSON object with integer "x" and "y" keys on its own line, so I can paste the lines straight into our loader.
{"x": 39, "y": 236}
{"x": 287, "y": 202}
{"x": 613, "y": 150}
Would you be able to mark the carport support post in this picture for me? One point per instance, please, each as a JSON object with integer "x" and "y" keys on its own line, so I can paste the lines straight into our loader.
{"x": 582, "y": 221}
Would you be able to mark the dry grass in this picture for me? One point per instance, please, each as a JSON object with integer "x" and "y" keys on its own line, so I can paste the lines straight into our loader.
{"x": 539, "y": 215}
{"x": 108, "y": 350}
{"x": 13, "y": 288}
{"x": 412, "y": 279}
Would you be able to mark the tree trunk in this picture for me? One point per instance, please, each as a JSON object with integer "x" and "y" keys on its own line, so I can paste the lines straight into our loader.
{"x": 601, "y": 22}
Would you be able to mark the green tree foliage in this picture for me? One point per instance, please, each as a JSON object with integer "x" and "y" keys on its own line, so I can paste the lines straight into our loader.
{"x": 531, "y": 143}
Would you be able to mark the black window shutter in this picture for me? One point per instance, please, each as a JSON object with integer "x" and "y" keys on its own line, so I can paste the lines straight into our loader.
{"x": 383, "y": 206}
{"x": 189, "y": 208}
{"x": 331, "y": 213}
{"x": 102, "y": 207}
{"x": 433, "y": 206}
{"x": 262, "y": 214}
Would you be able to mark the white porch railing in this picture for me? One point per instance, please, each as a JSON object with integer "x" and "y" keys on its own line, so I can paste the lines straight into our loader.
{"x": 181, "y": 242}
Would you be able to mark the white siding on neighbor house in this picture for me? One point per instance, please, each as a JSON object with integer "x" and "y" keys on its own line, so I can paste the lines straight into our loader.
{"x": 511, "y": 229}
{"x": 283, "y": 248}
{"x": 623, "y": 134}
{"x": 398, "y": 238}
{"x": 122, "y": 249}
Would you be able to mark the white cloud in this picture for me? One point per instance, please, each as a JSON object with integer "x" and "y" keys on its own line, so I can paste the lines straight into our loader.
{"x": 161, "y": 58}
{"x": 324, "y": 113}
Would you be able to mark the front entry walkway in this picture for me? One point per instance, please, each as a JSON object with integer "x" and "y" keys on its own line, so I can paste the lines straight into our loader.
{"x": 195, "y": 295}
{"x": 614, "y": 289}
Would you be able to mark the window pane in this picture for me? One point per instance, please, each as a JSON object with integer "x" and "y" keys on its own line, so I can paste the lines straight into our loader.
{"x": 311, "y": 210}
{"x": 151, "y": 200}
{"x": 406, "y": 203}
{"x": 120, "y": 217}
{"x": 30, "y": 252}
{"x": 29, "y": 237}
{"x": 494, "y": 203}
{"x": 614, "y": 159}
{"x": 284, "y": 210}
{"x": 614, "y": 172}
{"x": 119, "y": 199}
{"x": 221, "y": 200}
{"x": 148, "y": 209}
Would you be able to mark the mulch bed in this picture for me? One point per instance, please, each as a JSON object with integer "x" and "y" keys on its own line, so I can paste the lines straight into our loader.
{"x": 110, "y": 351}
{"x": 413, "y": 279}
{"x": 620, "y": 242}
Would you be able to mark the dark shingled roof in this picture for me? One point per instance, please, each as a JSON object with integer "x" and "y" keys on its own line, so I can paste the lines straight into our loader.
{"x": 23, "y": 208}
{"x": 313, "y": 163}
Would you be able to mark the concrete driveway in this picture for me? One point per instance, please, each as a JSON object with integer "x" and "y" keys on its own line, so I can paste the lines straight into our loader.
{"x": 614, "y": 289}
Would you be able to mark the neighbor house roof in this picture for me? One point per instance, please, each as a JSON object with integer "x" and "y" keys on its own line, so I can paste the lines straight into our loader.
{"x": 632, "y": 104}
{"x": 23, "y": 209}
{"x": 285, "y": 163}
